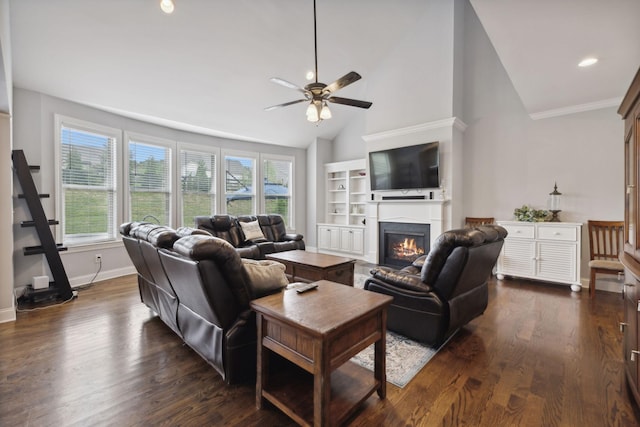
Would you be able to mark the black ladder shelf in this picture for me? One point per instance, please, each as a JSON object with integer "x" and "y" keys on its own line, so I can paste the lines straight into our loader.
{"x": 60, "y": 287}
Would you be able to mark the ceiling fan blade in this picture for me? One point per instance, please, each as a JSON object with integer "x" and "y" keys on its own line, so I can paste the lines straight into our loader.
{"x": 351, "y": 102}
{"x": 288, "y": 84}
{"x": 273, "y": 107}
{"x": 343, "y": 81}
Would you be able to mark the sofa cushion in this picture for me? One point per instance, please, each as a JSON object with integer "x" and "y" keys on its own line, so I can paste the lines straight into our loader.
{"x": 265, "y": 276}
{"x": 252, "y": 231}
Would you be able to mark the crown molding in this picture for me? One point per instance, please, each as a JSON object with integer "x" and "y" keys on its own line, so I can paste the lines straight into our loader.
{"x": 573, "y": 109}
{"x": 438, "y": 124}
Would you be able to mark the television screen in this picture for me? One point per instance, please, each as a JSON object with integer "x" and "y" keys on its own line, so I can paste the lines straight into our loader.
{"x": 404, "y": 168}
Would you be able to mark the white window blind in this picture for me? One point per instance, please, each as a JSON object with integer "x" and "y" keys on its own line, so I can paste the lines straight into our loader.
{"x": 239, "y": 185}
{"x": 276, "y": 190}
{"x": 149, "y": 182}
{"x": 88, "y": 185}
{"x": 198, "y": 185}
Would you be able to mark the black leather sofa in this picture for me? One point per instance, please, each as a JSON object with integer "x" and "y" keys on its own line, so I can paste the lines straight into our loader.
{"x": 198, "y": 286}
{"x": 444, "y": 290}
{"x": 274, "y": 234}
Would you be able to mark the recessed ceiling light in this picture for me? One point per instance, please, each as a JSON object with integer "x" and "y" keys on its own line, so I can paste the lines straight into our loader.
{"x": 587, "y": 62}
{"x": 310, "y": 75}
{"x": 167, "y": 6}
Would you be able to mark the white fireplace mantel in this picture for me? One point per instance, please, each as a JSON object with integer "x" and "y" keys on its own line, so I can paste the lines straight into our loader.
{"x": 408, "y": 211}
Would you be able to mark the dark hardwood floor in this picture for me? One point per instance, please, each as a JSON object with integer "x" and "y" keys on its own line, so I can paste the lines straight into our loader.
{"x": 539, "y": 356}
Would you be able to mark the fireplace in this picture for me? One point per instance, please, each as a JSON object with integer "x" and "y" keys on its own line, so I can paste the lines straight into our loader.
{"x": 400, "y": 243}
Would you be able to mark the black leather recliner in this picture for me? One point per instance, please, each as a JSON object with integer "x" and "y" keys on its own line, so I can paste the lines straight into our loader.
{"x": 444, "y": 290}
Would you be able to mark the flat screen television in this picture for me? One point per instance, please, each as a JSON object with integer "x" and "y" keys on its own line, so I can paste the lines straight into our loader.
{"x": 404, "y": 168}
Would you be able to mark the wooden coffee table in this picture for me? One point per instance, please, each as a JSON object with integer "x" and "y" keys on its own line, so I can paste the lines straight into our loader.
{"x": 317, "y": 332}
{"x": 303, "y": 266}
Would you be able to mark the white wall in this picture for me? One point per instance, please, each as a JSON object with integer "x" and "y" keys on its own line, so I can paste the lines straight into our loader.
{"x": 507, "y": 159}
{"x": 319, "y": 152}
{"x": 414, "y": 83}
{"x": 7, "y": 310}
{"x": 34, "y": 133}
{"x": 511, "y": 160}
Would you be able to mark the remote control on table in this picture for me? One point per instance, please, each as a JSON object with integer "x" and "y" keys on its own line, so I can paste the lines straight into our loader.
{"x": 306, "y": 288}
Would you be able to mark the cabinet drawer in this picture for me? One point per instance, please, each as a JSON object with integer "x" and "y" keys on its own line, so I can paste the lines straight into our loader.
{"x": 521, "y": 231}
{"x": 557, "y": 233}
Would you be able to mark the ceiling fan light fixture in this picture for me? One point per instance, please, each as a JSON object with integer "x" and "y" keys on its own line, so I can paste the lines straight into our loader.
{"x": 319, "y": 93}
{"x": 312, "y": 113}
{"x": 325, "y": 113}
{"x": 167, "y": 6}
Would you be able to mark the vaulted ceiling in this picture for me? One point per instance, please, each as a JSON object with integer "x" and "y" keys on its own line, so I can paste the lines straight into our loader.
{"x": 207, "y": 66}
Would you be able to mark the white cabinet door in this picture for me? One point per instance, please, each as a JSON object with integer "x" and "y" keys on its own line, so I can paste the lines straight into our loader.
{"x": 556, "y": 261}
{"x": 358, "y": 241}
{"x": 346, "y": 239}
{"x": 352, "y": 240}
{"x": 329, "y": 238}
{"x": 517, "y": 258}
{"x": 324, "y": 237}
{"x": 334, "y": 239}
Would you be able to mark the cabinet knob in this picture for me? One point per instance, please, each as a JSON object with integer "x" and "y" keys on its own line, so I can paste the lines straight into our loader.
{"x": 622, "y": 326}
{"x": 634, "y": 355}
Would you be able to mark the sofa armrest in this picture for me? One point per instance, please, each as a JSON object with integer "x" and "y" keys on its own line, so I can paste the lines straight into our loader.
{"x": 401, "y": 279}
{"x": 291, "y": 236}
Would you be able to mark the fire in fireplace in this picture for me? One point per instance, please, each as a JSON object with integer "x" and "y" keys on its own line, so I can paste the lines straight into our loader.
{"x": 401, "y": 243}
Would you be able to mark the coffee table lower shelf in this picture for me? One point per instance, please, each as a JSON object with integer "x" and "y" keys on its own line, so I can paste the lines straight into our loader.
{"x": 290, "y": 389}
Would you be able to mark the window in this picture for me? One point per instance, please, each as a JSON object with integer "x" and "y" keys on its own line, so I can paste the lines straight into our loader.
{"x": 276, "y": 189}
{"x": 86, "y": 179}
{"x": 198, "y": 184}
{"x": 239, "y": 188}
{"x": 149, "y": 180}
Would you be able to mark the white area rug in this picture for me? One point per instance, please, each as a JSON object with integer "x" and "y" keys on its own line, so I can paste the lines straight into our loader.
{"x": 405, "y": 358}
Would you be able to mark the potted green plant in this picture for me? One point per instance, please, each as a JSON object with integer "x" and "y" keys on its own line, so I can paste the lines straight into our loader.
{"x": 525, "y": 213}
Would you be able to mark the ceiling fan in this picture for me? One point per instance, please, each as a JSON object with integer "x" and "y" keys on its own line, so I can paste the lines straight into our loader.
{"x": 319, "y": 93}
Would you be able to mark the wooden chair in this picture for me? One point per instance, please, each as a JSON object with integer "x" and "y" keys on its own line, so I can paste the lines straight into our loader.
{"x": 470, "y": 221}
{"x": 606, "y": 240}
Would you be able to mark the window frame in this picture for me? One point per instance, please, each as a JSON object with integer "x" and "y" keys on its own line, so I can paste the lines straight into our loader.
{"x": 126, "y": 193}
{"x": 60, "y": 122}
{"x": 262, "y": 201}
{"x": 255, "y": 157}
{"x": 185, "y": 146}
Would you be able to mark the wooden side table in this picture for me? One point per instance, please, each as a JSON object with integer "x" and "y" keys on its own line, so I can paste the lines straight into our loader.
{"x": 318, "y": 332}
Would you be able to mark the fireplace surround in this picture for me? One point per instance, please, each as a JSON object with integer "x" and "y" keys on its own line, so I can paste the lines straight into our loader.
{"x": 413, "y": 212}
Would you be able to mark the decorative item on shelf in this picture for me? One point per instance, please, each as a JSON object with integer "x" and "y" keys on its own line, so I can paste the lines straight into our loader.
{"x": 362, "y": 173}
{"x": 554, "y": 203}
{"x": 525, "y": 213}
{"x": 341, "y": 187}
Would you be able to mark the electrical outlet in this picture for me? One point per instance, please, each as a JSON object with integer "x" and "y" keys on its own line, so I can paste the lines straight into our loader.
{"x": 98, "y": 259}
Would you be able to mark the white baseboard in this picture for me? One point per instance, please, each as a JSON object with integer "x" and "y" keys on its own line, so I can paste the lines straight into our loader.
{"x": 103, "y": 275}
{"x": 603, "y": 284}
{"x": 8, "y": 315}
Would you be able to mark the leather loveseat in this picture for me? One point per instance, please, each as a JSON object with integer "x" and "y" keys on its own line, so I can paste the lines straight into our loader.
{"x": 443, "y": 290}
{"x": 198, "y": 285}
{"x": 271, "y": 237}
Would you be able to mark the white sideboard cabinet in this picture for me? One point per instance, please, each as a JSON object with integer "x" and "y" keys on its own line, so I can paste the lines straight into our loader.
{"x": 341, "y": 238}
{"x": 547, "y": 251}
